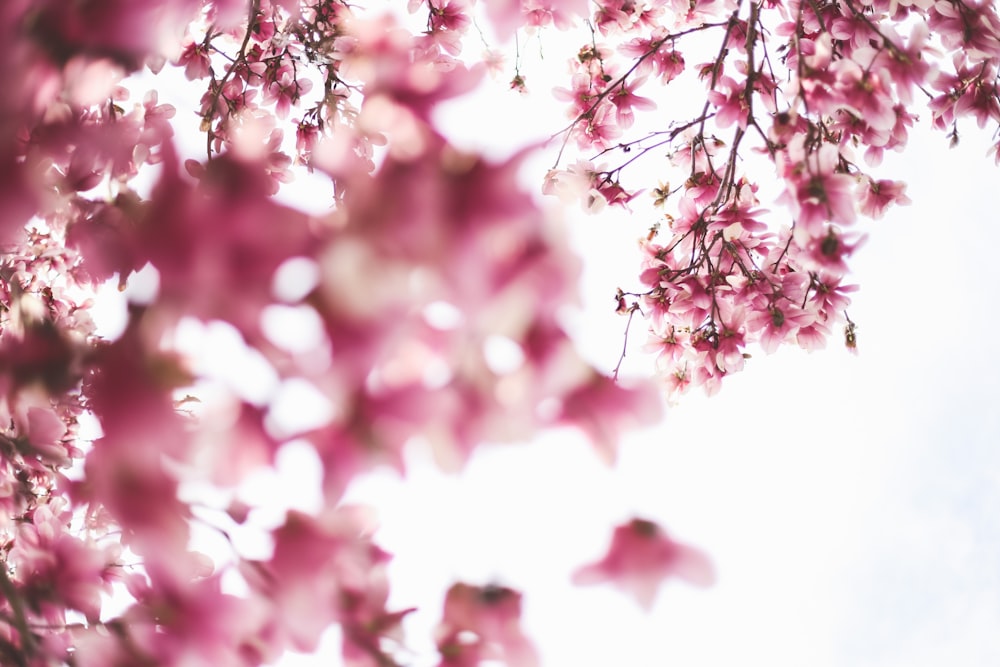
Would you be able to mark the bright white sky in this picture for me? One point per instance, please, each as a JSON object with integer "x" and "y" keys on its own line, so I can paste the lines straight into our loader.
{"x": 849, "y": 502}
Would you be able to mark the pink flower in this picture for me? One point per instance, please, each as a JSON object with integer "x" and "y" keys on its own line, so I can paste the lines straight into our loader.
{"x": 45, "y": 432}
{"x": 830, "y": 251}
{"x": 104, "y": 236}
{"x": 196, "y": 61}
{"x": 55, "y": 568}
{"x": 581, "y": 94}
{"x": 483, "y": 622}
{"x": 326, "y": 570}
{"x": 449, "y": 15}
{"x": 778, "y": 318}
{"x": 829, "y": 295}
{"x": 971, "y": 26}
{"x": 907, "y": 66}
{"x": 604, "y": 409}
{"x": 821, "y": 193}
{"x": 195, "y": 623}
{"x": 730, "y": 99}
{"x": 879, "y": 195}
{"x": 307, "y": 135}
{"x": 812, "y": 337}
{"x": 641, "y": 557}
{"x": 662, "y": 59}
{"x": 285, "y": 89}
{"x": 866, "y": 93}
{"x": 560, "y": 13}
{"x": 625, "y": 101}
{"x": 598, "y": 130}
{"x": 613, "y": 192}
{"x": 611, "y": 18}
{"x": 226, "y": 233}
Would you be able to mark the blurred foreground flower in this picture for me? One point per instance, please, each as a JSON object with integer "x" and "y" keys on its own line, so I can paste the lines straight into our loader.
{"x": 483, "y": 623}
{"x": 641, "y": 557}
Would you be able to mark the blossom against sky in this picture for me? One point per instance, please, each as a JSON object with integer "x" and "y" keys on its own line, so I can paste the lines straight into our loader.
{"x": 845, "y": 501}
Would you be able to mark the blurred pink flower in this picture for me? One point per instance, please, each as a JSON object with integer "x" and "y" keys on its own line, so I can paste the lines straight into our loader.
{"x": 483, "y": 623}
{"x": 641, "y": 557}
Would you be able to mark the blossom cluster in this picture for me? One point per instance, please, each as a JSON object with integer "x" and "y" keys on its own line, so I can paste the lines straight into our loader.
{"x": 818, "y": 91}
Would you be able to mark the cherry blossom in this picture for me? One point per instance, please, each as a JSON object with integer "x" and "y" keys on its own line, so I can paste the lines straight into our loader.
{"x": 641, "y": 556}
{"x": 483, "y": 623}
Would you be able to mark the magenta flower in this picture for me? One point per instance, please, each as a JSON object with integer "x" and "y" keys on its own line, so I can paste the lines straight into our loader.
{"x": 641, "y": 557}
{"x": 625, "y": 101}
{"x": 195, "y": 60}
{"x": 483, "y": 623}
{"x": 449, "y": 15}
{"x": 818, "y": 191}
{"x": 57, "y": 569}
{"x": 830, "y": 251}
{"x": 324, "y": 570}
{"x": 285, "y": 89}
{"x": 664, "y": 61}
{"x": 730, "y": 98}
{"x": 879, "y": 195}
